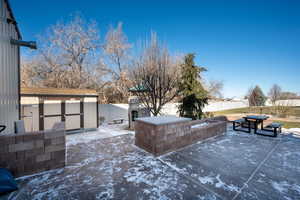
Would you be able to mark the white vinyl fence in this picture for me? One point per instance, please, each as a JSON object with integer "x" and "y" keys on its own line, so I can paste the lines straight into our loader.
{"x": 115, "y": 111}
{"x": 291, "y": 102}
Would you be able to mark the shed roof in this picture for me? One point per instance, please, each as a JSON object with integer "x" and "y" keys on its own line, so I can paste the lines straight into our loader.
{"x": 13, "y": 18}
{"x": 57, "y": 92}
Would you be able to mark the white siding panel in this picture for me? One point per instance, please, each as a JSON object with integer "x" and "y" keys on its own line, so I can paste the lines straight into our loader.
{"x": 9, "y": 71}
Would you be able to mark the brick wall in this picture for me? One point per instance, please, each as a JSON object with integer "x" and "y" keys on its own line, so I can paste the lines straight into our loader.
{"x": 29, "y": 153}
{"x": 160, "y": 139}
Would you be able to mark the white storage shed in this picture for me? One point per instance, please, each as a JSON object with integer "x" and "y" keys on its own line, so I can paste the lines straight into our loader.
{"x": 42, "y": 107}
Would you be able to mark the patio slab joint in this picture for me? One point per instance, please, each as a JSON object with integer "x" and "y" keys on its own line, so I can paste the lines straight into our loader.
{"x": 256, "y": 170}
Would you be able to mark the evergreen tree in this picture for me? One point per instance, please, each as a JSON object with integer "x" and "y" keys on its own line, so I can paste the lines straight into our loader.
{"x": 193, "y": 95}
{"x": 256, "y": 97}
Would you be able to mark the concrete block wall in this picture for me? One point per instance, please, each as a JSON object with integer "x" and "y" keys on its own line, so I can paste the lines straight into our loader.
{"x": 214, "y": 128}
{"x": 29, "y": 153}
{"x": 160, "y": 139}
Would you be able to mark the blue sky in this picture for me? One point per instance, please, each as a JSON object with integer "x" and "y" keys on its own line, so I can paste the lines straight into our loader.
{"x": 241, "y": 42}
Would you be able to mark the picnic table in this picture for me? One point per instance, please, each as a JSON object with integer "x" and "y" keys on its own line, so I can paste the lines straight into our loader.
{"x": 252, "y": 122}
{"x": 256, "y": 120}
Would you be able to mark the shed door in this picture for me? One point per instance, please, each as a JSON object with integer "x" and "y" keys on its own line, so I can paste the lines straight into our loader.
{"x": 52, "y": 113}
{"x": 54, "y": 109}
{"x": 74, "y": 114}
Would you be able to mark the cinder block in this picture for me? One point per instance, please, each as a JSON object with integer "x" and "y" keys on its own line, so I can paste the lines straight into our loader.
{"x": 21, "y": 146}
{"x": 47, "y": 142}
{"x": 58, "y": 140}
{"x": 20, "y": 155}
{"x": 3, "y": 148}
{"x": 54, "y": 148}
{"x": 8, "y": 156}
{"x": 19, "y": 138}
{"x": 20, "y": 168}
{"x": 42, "y": 164}
{"x": 58, "y": 155}
{"x": 43, "y": 157}
{"x": 51, "y": 164}
{"x": 34, "y": 152}
{"x": 33, "y": 136}
{"x": 53, "y": 134}
{"x": 38, "y": 144}
{"x": 30, "y": 167}
{"x": 7, "y": 139}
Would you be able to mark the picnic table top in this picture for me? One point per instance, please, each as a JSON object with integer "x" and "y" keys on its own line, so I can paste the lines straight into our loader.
{"x": 257, "y": 117}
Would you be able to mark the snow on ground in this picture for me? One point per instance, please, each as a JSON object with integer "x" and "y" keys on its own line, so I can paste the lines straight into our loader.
{"x": 105, "y": 164}
{"x": 292, "y": 130}
{"x": 103, "y": 131}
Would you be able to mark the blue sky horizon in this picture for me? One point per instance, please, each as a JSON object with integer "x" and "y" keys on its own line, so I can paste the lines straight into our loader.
{"x": 243, "y": 43}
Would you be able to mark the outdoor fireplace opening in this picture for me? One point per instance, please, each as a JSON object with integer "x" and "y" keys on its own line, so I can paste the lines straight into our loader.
{"x": 134, "y": 115}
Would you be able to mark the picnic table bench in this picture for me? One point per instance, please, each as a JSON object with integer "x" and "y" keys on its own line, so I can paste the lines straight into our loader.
{"x": 118, "y": 121}
{"x": 242, "y": 123}
{"x": 273, "y": 127}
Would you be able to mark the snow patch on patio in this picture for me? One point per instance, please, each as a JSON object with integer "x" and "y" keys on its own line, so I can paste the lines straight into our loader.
{"x": 284, "y": 186}
{"x": 206, "y": 179}
{"x": 221, "y": 184}
{"x": 157, "y": 177}
{"x": 206, "y": 197}
{"x": 293, "y": 130}
{"x": 218, "y": 183}
{"x": 103, "y": 131}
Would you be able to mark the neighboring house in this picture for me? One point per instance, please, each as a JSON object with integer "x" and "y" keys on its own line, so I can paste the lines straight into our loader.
{"x": 10, "y": 42}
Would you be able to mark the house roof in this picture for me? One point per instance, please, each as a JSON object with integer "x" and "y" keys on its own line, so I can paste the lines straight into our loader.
{"x": 57, "y": 92}
{"x": 13, "y": 18}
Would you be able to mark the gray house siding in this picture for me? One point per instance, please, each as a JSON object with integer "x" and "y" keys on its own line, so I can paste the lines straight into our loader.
{"x": 9, "y": 68}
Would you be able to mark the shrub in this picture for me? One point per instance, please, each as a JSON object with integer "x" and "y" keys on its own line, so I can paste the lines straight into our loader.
{"x": 256, "y": 97}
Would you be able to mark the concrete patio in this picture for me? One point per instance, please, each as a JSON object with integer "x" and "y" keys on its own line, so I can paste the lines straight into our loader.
{"x": 232, "y": 166}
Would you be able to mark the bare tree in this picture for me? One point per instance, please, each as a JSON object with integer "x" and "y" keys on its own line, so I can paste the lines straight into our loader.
{"x": 155, "y": 76}
{"x": 68, "y": 56}
{"x": 215, "y": 88}
{"x": 117, "y": 48}
{"x": 275, "y": 93}
{"x": 28, "y": 74}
